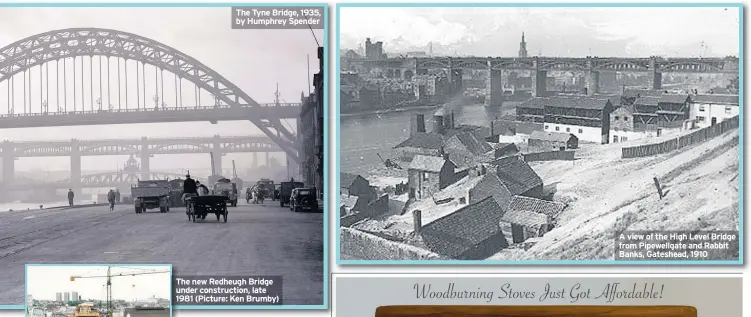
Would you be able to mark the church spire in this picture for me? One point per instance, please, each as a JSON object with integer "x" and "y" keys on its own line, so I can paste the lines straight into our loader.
{"x": 523, "y": 47}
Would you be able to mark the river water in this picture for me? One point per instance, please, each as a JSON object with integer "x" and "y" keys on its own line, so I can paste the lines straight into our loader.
{"x": 363, "y": 137}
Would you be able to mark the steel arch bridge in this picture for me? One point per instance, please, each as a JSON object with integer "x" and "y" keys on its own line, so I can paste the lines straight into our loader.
{"x": 37, "y": 52}
{"x": 103, "y": 180}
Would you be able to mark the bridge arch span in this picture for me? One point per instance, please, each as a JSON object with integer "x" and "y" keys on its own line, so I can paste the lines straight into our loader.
{"x": 689, "y": 67}
{"x": 197, "y": 146}
{"x": 77, "y": 42}
{"x": 107, "y": 148}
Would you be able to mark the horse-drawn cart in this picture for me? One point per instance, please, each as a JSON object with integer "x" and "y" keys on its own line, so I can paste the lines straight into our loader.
{"x": 198, "y": 207}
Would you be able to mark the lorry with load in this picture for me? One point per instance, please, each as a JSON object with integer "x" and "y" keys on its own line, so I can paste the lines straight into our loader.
{"x": 265, "y": 187}
{"x": 285, "y": 191}
{"x": 151, "y": 194}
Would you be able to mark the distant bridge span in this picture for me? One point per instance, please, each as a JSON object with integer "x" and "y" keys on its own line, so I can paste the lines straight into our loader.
{"x": 137, "y": 147}
{"x": 102, "y": 180}
{"x": 69, "y": 49}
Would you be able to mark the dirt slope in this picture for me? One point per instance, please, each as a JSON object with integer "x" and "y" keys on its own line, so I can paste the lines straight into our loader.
{"x": 608, "y": 195}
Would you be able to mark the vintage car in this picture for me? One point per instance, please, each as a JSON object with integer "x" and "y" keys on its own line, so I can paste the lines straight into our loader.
{"x": 303, "y": 199}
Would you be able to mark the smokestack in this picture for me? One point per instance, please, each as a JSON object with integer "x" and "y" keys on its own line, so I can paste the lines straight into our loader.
{"x": 417, "y": 220}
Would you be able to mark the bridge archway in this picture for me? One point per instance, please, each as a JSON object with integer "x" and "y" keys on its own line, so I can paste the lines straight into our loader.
{"x": 78, "y": 42}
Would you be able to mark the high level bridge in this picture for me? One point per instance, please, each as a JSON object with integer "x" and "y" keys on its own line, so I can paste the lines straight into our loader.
{"x": 406, "y": 68}
{"x": 144, "y": 148}
{"x": 93, "y": 76}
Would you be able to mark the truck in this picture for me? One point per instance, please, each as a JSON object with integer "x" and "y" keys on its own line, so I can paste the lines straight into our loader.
{"x": 286, "y": 191}
{"x": 266, "y": 187}
{"x": 151, "y": 194}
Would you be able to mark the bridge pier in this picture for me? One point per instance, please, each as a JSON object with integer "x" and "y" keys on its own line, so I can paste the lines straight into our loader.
{"x": 9, "y": 163}
{"x": 267, "y": 159}
{"x": 216, "y": 154}
{"x": 593, "y": 82}
{"x": 75, "y": 166}
{"x": 494, "y": 86}
{"x": 656, "y": 80}
{"x": 540, "y": 83}
{"x": 145, "y": 160}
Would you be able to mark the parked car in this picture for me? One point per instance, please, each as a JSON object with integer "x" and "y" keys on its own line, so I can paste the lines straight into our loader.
{"x": 303, "y": 199}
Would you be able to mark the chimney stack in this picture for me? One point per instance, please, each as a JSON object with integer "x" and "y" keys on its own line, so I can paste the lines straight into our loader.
{"x": 419, "y": 123}
{"x": 417, "y": 220}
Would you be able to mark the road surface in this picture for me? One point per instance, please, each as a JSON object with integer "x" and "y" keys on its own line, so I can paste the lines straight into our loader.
{"x": 257, "y": 240}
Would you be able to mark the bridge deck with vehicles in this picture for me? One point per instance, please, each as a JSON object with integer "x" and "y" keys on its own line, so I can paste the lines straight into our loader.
{"x": 122, "y": 236}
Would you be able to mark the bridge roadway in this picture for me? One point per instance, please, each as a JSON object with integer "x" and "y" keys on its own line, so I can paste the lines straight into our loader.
{"x": 212, "y": 114}
{"x": 216, "y": 144}
{"x": 257, "y": 240}
{"x": 540, "y": 63}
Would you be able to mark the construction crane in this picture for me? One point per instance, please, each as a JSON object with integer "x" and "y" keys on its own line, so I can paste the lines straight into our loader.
{"x": 109, "y": 277}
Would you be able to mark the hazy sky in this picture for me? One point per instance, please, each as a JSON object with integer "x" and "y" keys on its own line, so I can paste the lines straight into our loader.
{"x": 603, "y": 32}
{"x": 254, "y": 60}
{"x": 43, "y": 282}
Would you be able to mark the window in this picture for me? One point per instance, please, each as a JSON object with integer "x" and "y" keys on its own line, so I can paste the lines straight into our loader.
{"x": 615, "y": 139}
{"x": 728, "y": 109}
{"x": 568, "y": 129}
{"x": 547, "y": 127}
{"x": 558, "y": 128}
{"x": 701, "y": 119}
{"x": 625, "y": 118}
{"x": 581, "y": 131}
{"x": 701, "y": 108}
{"x": 617, "y": 117}
{"x": 624, "y": 139}
{"x": 424, "y": 176}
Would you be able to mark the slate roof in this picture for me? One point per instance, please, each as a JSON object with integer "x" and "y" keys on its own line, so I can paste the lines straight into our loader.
{"x": 535, "y": 103}
{"x": 346, "y": 179}
{"x": 717, "y": 99}
{"x": 465, "y": 228}
{"x": 423, "y": 140}
{"x": 647, "y": 101}
{"x": 474, "y": 144}
{"x": 636, "y": 93}
{"x": 551, "y": 136}
{"x": 671, "y": 98}
{"x": 528, "y": 204}
{"x": 428, "y": 163}
{"x": 516, "y": 175}
{"x": 524, "y": 218}
{"x": 596, "y": 103}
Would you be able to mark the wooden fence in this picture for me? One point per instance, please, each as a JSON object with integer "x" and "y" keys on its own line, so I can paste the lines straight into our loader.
{"x": 695, "y": 137}
{"x": 549, "y": 156}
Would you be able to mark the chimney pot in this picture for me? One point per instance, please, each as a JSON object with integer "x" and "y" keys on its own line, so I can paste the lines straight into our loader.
{"x": 417, "y": 219}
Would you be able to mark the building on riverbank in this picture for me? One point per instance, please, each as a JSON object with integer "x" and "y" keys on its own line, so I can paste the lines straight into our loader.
{"x": 310, "y": 131}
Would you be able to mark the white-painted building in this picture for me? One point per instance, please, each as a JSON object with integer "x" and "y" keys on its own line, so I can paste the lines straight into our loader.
{"x": 712, "y": 109}
{"x": 587, "y": 118}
